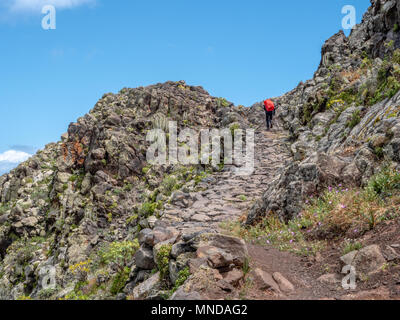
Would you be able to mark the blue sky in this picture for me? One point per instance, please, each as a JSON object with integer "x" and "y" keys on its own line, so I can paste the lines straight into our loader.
{"x": 241, "y": 50}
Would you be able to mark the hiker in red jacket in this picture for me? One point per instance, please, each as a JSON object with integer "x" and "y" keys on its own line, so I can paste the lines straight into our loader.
{"x": 269, "y": 112}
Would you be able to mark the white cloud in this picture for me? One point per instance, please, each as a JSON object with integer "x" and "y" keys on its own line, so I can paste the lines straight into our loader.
{"x": 10, "y": 159}
{"x": 34, "y": 5}
{"x": 14, "y": 156}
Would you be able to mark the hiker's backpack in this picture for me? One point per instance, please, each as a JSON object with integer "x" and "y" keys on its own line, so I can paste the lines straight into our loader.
{"x": 269, "y": 105}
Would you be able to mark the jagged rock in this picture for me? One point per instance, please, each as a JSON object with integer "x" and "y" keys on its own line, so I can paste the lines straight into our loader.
{"x": 234, "y": 277}
{"x": 216, "y": 257}
{"x": 144, "y": 258}
{"x": 146, "y": 236}
{"x": 147, "y": 288}
{"x": 180, "y": 248}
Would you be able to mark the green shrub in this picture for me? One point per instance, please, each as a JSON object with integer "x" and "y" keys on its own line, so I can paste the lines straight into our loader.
{"x": 385, "y": 182}
{"x": 119, "y": 281}
{"x": 169, "y": 184}
{"x": 147, "y": 208}
{"x": 183, "y": 275}
{"x": 351, "y": 246}
{"x": 233, "y": 128}
{"x": 222, "y": 102}
{"x": 396, "y": 56}
{"x": 120, "y": 253}
{"x": 162, "y": 260}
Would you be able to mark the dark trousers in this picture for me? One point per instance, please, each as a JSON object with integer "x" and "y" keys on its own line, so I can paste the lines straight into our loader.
{"x": 269, "y": 115}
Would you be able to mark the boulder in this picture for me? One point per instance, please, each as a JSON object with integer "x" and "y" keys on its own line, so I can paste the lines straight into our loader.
{"x": 366, "y": 261}
{"x": 144, "y": 258}
{"x": 221, "y": 249}
{"x": 264, "y": 280}
{"x": 284, "y": 284}
{"x": 234, "y": 277}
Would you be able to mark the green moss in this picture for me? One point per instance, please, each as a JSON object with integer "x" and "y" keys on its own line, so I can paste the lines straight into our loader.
{"x": 4, "y": 207}
{"x": 387, "y": 89}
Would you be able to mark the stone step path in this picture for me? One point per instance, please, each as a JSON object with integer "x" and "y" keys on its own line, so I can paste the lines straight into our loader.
{"x": 226, "y": 196}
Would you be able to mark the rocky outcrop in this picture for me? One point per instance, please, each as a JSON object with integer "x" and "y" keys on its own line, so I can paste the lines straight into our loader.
{"x": 93, "y": 191}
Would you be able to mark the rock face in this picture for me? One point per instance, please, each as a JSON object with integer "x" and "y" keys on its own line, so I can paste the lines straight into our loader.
{"x": 90, "y": 214}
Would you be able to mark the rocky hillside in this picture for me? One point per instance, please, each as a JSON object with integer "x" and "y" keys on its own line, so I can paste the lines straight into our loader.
{"x": 344, "y": 123}
{"x": 84, "y": 200}
{"x": 88, "y": 218}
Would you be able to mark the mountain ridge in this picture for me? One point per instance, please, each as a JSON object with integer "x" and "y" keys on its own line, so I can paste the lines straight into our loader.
{"x": 90, "y": 215}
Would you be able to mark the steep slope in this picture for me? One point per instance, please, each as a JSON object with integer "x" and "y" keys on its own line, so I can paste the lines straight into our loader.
{"x": 89, "y": 218}
{"x": 93, "y": 190}
{"x": 345, "y": 121}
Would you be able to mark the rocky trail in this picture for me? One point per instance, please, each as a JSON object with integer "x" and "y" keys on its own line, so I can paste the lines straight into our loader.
{"x": 227, "y": 196}
{"x": 84, "y": 202}
{"x": 275, "y": 274}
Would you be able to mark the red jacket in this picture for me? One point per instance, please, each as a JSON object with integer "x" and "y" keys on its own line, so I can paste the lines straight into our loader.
{"x": 269, "y": 105}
